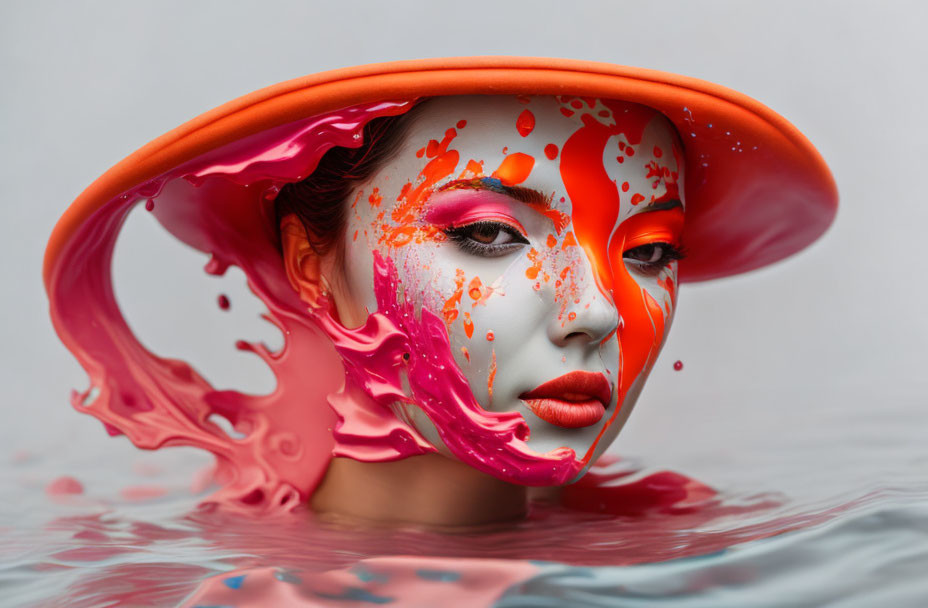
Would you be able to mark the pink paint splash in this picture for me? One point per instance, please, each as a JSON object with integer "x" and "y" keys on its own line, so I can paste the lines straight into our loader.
{"x": 395, "y": 345}
{"x": 284, "y": 440}
{"x": 210, "y": 203}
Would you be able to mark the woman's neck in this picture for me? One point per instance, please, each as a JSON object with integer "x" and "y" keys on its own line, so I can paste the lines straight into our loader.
{"x": 429, "y": 490}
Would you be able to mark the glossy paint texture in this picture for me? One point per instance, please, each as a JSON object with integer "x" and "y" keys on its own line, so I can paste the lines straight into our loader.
{"x": 510, "y": 218}
{"x": 283, "y": 440}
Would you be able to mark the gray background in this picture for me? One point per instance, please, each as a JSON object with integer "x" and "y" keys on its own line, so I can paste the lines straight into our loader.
{"x": 85, "y": 83}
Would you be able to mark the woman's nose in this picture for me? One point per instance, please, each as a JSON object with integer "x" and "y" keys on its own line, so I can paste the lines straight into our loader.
{"x": 590, "y": 316}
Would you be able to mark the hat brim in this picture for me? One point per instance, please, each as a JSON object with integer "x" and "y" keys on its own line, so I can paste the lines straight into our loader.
{"x": 756, "y": 190}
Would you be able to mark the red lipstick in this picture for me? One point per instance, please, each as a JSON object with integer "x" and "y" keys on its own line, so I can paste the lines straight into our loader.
{"x": 572, "y": 401}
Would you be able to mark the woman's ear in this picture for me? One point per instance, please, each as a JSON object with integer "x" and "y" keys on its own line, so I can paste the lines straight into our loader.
{"x": 301, "y": 262}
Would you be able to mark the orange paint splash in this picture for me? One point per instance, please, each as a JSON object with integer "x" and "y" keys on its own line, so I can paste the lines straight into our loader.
{"x": 595, "y": 199}
{"x": 468, "y": 325}
{"x": 450, "y": 309}
{"x": 490, "y": 336}
{"x": 532, "y": 271}
{"x": 569, "y": 241}
{"x": 466, "y": 353}
{"x": 514, "y": 169}
{"x": 472, "y": 169}
{"x": 409, "y": 204}
{"x": 525, "y": 123}
{"x": 375, "y": 198}
{"x": 551, "y": 241}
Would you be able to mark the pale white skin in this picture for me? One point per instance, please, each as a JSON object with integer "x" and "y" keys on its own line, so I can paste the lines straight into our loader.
{"x": 541, "y": 328}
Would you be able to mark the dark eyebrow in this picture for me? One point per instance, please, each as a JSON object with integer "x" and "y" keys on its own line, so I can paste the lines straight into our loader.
{"x": 519, "y": 193}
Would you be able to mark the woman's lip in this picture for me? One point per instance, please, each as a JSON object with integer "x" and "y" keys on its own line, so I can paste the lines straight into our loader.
{"x": 567, "y": 414}
{"x": 573, "y": 400}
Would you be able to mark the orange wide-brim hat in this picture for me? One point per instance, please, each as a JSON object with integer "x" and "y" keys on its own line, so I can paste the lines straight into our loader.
{"x": 756, "y": 190}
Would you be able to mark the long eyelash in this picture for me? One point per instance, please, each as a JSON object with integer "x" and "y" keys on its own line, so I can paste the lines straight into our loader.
{"x": 458, "y": 234}
{"x": 671, "y": 253}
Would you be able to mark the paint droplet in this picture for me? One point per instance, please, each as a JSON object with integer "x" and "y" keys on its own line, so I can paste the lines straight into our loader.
{"x": 490, "y": 336}
{"x": 149, "y": 205}
{"x": 658, "y": 152}
{"x": 567, "y": 112}
{"x": 551, "y": 151}
{"x": 677, "y": 366}
{"x": 461, "y": 124}
{"x": 621, "y": 159}
{"x": 625, "y": 187}
{"x": 223, "y": 301}
{"x": 525, "y": 122}
{"x": 514, "y": 169}
{"x": 576, "y": 103}
{"x": 571, "y": 316}
{"x": 64, "y": 486}
{"x": 637, "y": 198}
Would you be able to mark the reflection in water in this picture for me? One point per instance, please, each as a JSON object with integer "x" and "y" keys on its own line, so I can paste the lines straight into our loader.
{"x": 664, "y": 538}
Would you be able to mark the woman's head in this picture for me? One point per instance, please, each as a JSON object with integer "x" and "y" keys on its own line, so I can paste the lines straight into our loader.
{"x": 542, "y": 231}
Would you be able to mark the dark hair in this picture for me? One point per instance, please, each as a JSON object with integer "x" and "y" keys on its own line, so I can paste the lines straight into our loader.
{"x": 319, "y": 200}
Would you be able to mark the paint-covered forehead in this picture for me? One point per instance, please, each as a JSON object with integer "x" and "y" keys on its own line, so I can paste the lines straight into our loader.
{"x": 488, "y": 129}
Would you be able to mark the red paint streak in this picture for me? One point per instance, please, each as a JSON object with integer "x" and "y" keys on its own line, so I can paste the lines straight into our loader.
{"x": 551, "y": 151}
{"x": 223, "y": 301}
{"x": 491, "y": 376}
{"x": 525, "y": 122}
{"x": 490, "y": 336}
{"x": 514, "y": 169}
{"x": 678, "y": 365}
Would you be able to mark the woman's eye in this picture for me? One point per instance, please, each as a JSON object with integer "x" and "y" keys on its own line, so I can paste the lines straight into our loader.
{"x": 652, "y": 258}
{"x": 486, "y": 239}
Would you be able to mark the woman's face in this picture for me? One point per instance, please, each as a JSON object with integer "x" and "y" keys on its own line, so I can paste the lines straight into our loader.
{"x": 544, "y": 231}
